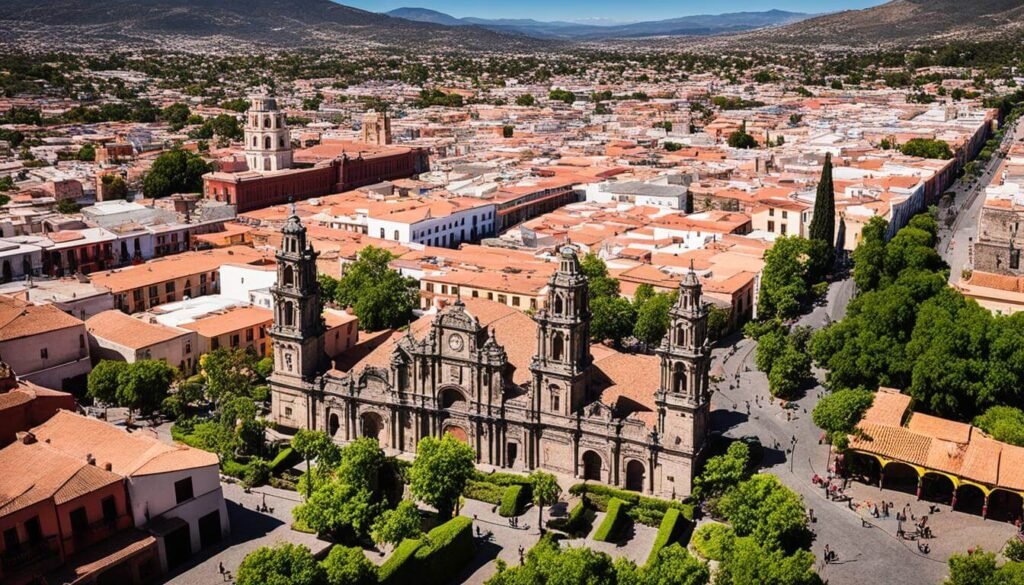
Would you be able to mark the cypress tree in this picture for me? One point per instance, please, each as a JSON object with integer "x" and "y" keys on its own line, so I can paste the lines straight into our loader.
{"x": 823, "y": 224}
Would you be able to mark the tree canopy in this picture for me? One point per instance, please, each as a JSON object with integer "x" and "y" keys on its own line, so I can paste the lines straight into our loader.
{"x": 840, "y": 411}
{"x": 440, "y": 471}
{"x": 823, "y": 223}
{"x": 723, "y": 471}
{"x": 1003, "y": 423}
{"x": 927, "y": 148}
{"x": 283, "y": 564}
{"x": 175, "y": 171}
{"x": 380, "y": 296}
{"x": 792, "y": 267}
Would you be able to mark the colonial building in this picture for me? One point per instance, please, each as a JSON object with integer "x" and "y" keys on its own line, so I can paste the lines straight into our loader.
{"x": 525, "y": 392}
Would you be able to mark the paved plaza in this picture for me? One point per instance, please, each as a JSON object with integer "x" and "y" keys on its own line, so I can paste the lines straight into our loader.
{"x": 869, "y": 552}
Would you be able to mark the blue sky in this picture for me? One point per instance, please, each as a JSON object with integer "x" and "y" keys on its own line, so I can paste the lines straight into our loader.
{"x": 617, "y": 10}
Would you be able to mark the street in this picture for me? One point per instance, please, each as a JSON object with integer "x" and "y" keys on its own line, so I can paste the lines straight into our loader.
{"x": 955, "y": 243}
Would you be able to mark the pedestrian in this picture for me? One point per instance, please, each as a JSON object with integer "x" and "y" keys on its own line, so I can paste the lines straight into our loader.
{"x": 828, "y": 554}
{"x": 521, "y": 554}
{"x": 220, "y": 567}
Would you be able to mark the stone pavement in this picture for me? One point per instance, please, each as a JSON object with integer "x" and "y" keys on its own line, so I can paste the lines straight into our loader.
{"x": 503, "y": 542}
{"x": 249, "y": 530}
{"x": 635, "y": 545}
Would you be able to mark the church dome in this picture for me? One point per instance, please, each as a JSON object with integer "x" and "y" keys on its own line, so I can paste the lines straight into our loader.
{"x": 293, "y": 226}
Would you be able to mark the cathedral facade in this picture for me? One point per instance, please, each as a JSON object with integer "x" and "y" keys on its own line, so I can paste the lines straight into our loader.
{"x": 525, "y": 392}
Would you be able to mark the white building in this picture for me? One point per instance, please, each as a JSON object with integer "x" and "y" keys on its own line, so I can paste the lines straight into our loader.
{"x": 639, "y": 193}
{"x": 268, "y": 144}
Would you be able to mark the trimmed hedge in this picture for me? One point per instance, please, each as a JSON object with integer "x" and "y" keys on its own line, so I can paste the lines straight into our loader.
{"x": 484, "y": 491}
{"x": 285, "y": 459}
{"x": 616, "y": 511}
{"x": 398, "y": 569}
{"x": 670, "y": 525}
{"x": 642, "y": 509}
{"x": 577, "y": 523}
{"x": 450, "y": 550}
{"x": 502, "y": 478}
{"x": 435, "y": 560}
{"x": 512, "y": 501}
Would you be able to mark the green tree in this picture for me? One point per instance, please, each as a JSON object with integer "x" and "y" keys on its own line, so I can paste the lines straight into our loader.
{"x": 869, "y": 256}
{"x": 103, "y": 379}
{"x": 839, "y": 412}
{"x": 562, "y": 95}
{"x": 768, "y": 511}
{"x": 750, "y": 563}
{"x": 86, "y": 153}
{"x": 927, "y": 148}
{"x": 226, "y": 127}
{"x": 440, "y": 472}
{"x": 380, "y": 296}
{"x": 792, "y": 266}
{"x": 176, "y": 115}
{"x": 144, "y": 385}
{"x": 652, "y": 318}
{"x": 740, "y": 139}
{"x": 115, "y": 186}
{"x": 349, "y": 566}
{"x": 175, "y": 171}
{"x": 1003, "y": 423}
{"x": 611, "y": 318}
{"x": 507, "y": 131}
{"x": 674, "y": 566}
{"x": 394, "y": 526}
{"x": 68, "y": 206}
{"x": 721, "y": 472}
{"x": 229, "y": 372}
{"x": 545, "y": 493}
{"x": 789, "y": 372}
{"x": 977, "y": 567}
{"x": 284, "y": 564}
{"x": 823, "y": 223}
{"x": 526, "y": 100}
{"x": 318, "y": 446}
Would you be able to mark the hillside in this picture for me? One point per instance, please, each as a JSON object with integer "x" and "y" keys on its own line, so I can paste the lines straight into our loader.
{"x": 272, "y": 23}
{"x": 901, "y": 22}
{"x": 696, "y": 25}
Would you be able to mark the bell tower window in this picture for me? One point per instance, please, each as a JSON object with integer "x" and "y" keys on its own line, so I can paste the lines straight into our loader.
{"x": 557, "y": 347}
{"x": 289, "y": 276}
{"x": 288, "y": 314}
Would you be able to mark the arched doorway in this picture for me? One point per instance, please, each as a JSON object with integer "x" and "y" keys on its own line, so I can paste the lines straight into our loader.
{"x": 970, "y": 499}
{"x": 1005, "y": 506}
{"x": 635, "y": 476}
{"x": 862, "y": 467}
{"x": 936, "y": 487}
{"x": 900, "y": 477}
{"x": 333, "y": 424}
{"x": 457, "y": 432}
{"x": 591, "y": 466}
{"x": 372, "y": 426}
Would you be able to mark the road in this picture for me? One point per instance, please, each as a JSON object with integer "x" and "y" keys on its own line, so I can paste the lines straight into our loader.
{"x": 955, "y": 242}
{"x": 868, "y": 554}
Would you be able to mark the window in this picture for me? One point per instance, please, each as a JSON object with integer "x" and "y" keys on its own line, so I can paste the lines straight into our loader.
{"x": 1014, "y": 259}
{"x": 490, "y": 296}
{"x": 44, "y": 353}
{"x": 771, "y": 226}
{"x": 382, "y": 235}
{"x": 444, "y": 289}
{"x": 782, "y": 228}
{"x": 515, "y": 301}
{"x": 476, "y": 294}
{"x": 188, "y": 347}
{"x": 79, "y": 521}
{"x": 771, "y": 212}
{"x": 234, "y": 340}
{"x": 502, "y": 299}
{"x": 33, "y": 529}
{"x": 183, "y": 490}
{"x": 215, "y": 343}
{"x": 396, "y": 235}
{"x": 533, "y": 304}
{"x": 81, "y": 342}
{"x": 287, "y": 411}
{"x": 109, "y": 510}
{"x": 154, "y": 292}
{"x": 137, "y": 295}
{"x": 455, "y": 291}
{"x": 430, "y": 287}
{"x": 249, "y": 335}
{"x": 263, "y": 331}
{"x": 554, "y": 401}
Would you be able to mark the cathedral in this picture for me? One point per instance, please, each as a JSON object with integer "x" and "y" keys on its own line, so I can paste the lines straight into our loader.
{"x": 525, "y": 392}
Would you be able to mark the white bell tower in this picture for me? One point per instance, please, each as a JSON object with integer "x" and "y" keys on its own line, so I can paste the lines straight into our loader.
{"x": 268, "y": 145}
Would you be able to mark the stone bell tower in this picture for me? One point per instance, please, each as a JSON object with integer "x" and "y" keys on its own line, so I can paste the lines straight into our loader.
{"x": 562, "y": 362}
{"x": 684, "y": 399}
{"x": 268, "y": 144}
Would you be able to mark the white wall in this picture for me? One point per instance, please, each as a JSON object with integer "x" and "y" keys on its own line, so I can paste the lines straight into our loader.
{"x": 236, "y": 282}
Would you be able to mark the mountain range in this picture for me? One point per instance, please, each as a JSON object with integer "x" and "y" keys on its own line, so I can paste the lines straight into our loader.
{"x": 698, "y": 25}
{"x": 244, "y": 25}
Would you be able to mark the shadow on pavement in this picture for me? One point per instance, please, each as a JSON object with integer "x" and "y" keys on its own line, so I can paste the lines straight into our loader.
{"x": 725, "y": 419}
{"x": 486, "y": 551}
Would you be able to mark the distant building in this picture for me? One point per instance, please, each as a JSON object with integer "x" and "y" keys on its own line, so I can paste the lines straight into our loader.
{"x": 268, "y": 145}
{"x": 24, "y": 405}
{"x": 116, "y": 336}
{"x": 377, "y": 128}
{"x": 42, "y": 344}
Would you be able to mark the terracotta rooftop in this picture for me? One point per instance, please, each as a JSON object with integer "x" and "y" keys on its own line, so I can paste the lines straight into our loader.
{"x": 20, "y": 319}
{"x": 44, "y": 472}
{"x": 128, "y": 331}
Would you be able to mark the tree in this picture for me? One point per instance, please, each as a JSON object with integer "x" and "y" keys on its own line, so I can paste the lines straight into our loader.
{"x": 792, "y": 266}
{"x": 869, "y": 256}
{"x": 440, "y": 472}
{"x": 526, "y": 100}
{"x": 562, "y": 95}
{"x": 68, "y": 206}
{"x": 284, "y": 564}
{"x": 740, "y": 139}
{"x": 768, "y": 511}
{"x": 102, "y": 382}
{"x": 927, "y": 148}
{"x": 394, "y": 526}
{"x": 380, "y": 296}
{"x": 229, "y": 372}
{"x": 977, "y": 567}
{"x": 839, "y": 412}
{"x": 176, "y": 115}
{"x": 723, "y": 471}
{"x": 545, "y": 493}
{"x": 349, "y": 566}
{"x": 507, "y": 131}
{"x": 652, "y": 318}
{"x": 611, "y": 318}
{"x": 789, "y": 372}
{"x": 143, "y": 385}
{"x": 115, "y": 186}
{"x": 86, "y": 153}
{"x": 750, "y": 563}
{"x": 226, "y": 127}
{"x": 338, "y": 509}
{"x": 674, "y": 566}
{"x": 175, "y": 171}
{"x": 1003, "y": 423}
{"x": 315, "y": 445}
{"x": 823, "y": 223}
